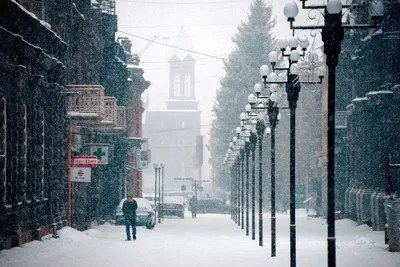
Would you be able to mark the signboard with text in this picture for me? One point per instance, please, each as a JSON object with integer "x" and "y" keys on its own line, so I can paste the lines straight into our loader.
{"x": 84, "y": 161}
{"x": 81, "y": 174}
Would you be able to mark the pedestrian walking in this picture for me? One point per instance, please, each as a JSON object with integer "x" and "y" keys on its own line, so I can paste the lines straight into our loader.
{"x": 193, "y": 206}
{"x": 129, "y": 210}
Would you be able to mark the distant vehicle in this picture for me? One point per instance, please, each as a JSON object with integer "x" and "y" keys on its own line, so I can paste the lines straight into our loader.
{"x": 212, "y": 206}
{"x": 173, "y": 206}
{"x": 145, "y": 215}
{"x": 185, "y": 195}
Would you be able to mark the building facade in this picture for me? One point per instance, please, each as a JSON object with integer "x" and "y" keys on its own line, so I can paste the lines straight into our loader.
{"x": 172, "y": 132}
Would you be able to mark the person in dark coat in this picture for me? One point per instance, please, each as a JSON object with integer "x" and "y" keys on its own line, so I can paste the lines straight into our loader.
{"x": 193, "y": 206}
{"x": 129, "y": 210}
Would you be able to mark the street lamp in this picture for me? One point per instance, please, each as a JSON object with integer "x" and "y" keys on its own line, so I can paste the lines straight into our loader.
{"x": 292, "y": 90}
{"x": 270, "y": 104}
{"x": 162, "y": 197}
{"x": 260, "y": 127}
{"x": 253, "y": 145}
{"x": 156, "y": 167}
{"x": 332, "y": 36}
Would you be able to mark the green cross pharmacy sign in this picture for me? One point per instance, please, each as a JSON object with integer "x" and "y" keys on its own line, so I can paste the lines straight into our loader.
{"x": 101, "y": 152}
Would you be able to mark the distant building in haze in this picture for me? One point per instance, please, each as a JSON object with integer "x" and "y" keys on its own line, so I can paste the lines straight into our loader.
{"x": 172, "y": 132}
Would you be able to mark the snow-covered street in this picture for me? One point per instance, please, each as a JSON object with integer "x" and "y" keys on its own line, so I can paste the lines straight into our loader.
{"x": 210, "y": 240}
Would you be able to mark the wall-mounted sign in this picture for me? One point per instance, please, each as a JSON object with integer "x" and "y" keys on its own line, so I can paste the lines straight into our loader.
{"x": 101, "y": 152}
{"x": 84, "y": 161}
{"x": 81, "y": 174}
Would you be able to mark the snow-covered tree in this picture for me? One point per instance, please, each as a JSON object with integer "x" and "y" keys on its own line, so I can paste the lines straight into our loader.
{"x": 253, "y": 41}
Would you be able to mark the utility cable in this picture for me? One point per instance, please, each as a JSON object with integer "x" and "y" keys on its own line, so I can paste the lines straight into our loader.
{"x": 179, "y": 48}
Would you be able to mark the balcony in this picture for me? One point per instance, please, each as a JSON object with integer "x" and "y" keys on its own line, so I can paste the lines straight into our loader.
{"x": 87, "y": 106}
{"x": 121, "y": 118}
{"x": 110, "y": 111}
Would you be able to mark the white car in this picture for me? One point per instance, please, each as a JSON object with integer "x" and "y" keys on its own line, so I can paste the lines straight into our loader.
{"x": 145, "y": 215}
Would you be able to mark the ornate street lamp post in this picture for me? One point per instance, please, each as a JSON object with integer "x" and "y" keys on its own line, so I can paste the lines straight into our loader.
{"x": 162, "y": 191}
{"x": 332, "y": 36}
{"x": 260, "y": 127}
{"x": 273, "y": 113}
{"x": 156, "y": 167}
{"x": 253, "y": 145}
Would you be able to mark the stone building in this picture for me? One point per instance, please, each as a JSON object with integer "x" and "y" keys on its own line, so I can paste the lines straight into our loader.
{"x": 33, "y": 145}
{"x": 172, "y": 131}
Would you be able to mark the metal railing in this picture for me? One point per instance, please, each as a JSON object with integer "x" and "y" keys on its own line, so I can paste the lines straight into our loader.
{"x": 110, "y": 110}
{"x": 88, "y": 103}
{"x": 121, "y": 117}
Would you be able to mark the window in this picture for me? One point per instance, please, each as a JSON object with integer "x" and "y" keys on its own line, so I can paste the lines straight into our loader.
{"x": 177, "y": 85}
{"x": 187, "y": 85}
{"x": 183, "y": 124}
{"x": 162, "y": 125}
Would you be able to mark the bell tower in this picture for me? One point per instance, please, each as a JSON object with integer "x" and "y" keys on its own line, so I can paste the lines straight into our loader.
{"x": 182, "y": 93}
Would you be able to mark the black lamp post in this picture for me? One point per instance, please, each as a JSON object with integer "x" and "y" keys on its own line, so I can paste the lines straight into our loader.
{"x": 253, "y": 145}
{"x": 242, "y": 155}
{"x": 247, "y": 152}
{"x": 162, "y": 191}
{"x": 155, "y": 188}
{"x": 260, "y": 127}
{"x": 332, "y": 35}
{"x": 273, "y": 112}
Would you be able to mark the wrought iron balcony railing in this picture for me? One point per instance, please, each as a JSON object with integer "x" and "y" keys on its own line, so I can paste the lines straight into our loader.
{"x": 110, "y": 110}
{"x": 87, "y": 104}
{"x": 121, "y": 118}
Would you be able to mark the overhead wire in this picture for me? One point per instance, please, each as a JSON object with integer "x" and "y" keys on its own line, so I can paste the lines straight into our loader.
{"x": 180, "y": 48}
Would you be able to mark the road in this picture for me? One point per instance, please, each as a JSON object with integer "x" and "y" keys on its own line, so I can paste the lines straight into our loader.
{"x": 209, "y": 240}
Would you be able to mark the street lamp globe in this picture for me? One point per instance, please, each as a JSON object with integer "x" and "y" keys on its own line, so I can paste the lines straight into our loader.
{"x": 273, "y": 98}
{"x": 257, "y": 88}
{"x": 238, "y": 131}
{"x": 375, "y": 8}
{"x": 268, "y": 130}
{"x": 242, "y": 116}
{"x": 291, "y": 10}
{"x": 279, "y": 116}
{"x": 294, "y": 56}
{"x": 334, "y": 7}
{"x": 283, "y": 43}
{"x": 264, "y": 70}
{"x": 304, "y": 43}
{"x": 273, "y": 57}
{"x": 273, "y": 77}
{"x": 248, "y": 108}
{"x": 231, "y": 145}
{"x": 251, "y": 99}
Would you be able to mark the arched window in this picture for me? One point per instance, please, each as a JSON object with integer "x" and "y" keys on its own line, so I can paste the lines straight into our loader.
{"x": 177, "y": 85}
{"x": 188, "y": 85}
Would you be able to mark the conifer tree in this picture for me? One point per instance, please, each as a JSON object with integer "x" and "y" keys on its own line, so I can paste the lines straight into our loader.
{"x": 253, "y": 41}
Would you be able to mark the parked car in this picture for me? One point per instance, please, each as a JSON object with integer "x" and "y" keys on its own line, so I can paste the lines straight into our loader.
{"x": 151, "y": 198}
{"x": 173, "y": 206}
{"x": 145, "y": 215}
{"x": 212, "y": 206}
